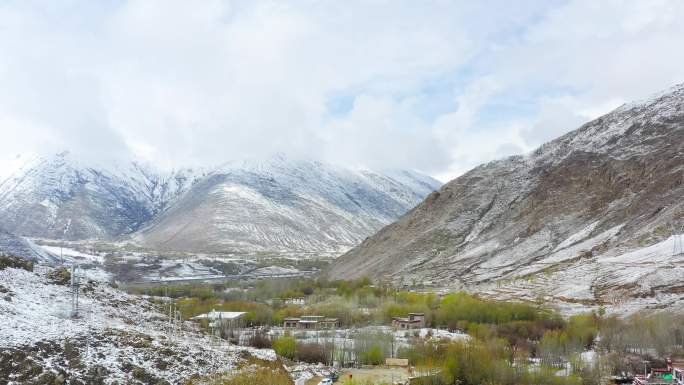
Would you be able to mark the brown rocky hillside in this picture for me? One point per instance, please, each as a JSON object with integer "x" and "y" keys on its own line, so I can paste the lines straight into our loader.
{"x": 586, "y": 219}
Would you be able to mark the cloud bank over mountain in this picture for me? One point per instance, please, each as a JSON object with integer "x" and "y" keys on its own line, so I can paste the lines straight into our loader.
{"x": 436, "y": 87}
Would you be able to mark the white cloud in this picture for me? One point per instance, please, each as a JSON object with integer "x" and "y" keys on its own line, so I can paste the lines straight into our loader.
{"x": 182, "y": 83}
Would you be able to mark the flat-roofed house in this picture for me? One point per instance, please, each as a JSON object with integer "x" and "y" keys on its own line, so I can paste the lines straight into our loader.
{"x": 311, "y": 322}
{"x": 291, "y": 323}
{"x": 329, "y": 323}
{"x": 413, "y": 321}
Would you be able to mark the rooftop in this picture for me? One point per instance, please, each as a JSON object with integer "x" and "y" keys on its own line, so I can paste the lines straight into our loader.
{"x": 227, "y": 315}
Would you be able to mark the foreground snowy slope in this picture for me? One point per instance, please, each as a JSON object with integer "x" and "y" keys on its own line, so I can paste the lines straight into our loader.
{"x": 118, "y": 338}
{"x": 587, "y": 219}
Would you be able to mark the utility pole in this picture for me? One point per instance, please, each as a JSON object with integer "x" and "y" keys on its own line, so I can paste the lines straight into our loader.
{"x": 90, "y": 322}
{"x": 75, "y": 283}
{"x": 170, "y": 324}
{"x": 179, "y": 324}
{"x": 61, "y": 244}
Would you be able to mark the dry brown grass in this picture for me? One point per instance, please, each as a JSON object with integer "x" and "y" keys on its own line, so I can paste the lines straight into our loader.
{"x": 252, "y": 371}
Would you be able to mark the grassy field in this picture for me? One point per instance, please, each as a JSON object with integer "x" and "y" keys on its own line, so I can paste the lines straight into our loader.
{"x": 376, "y": 375}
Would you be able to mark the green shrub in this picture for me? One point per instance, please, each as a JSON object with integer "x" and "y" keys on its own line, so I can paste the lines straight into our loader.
{"x": 465, "y": 307}
{"x": 15, "y": 262}
{"x": 372, "y": 356}
{"x": 285, "y": 346}
{"x": 59, "y": 276}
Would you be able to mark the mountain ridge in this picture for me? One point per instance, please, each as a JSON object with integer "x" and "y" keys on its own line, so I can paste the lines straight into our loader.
{"x": 60, "y": 197}
{"x": 285, "y": 206}
{"x": 611, "y": 187}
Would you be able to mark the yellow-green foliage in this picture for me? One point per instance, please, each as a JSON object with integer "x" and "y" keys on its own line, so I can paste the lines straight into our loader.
{"x": 351, "y": 381}
{"x": 201, "y": 291}
{"x": 577, "y": 336}
{"x": 583, "y": 328}
{"x": 464, "y": 307}
{"x": 288, "y": 311}
{"x": 333, "y": 307}
{"x": 285, "y": 346}
{"x": 662, "y": 331}
{"x": 339, "y": 308}
{"x": 393, "y": 309}
{"x": 349, "y": 288}
{"x": 373, "y": 355}
{"x": 252, "y": 372}
{"x": 476, "y": 362}
{"x": 372, "y": 347}
{"x": 250, "y": 377}
{"x": 427, "y": 299}
{"x": 402, "y": 303}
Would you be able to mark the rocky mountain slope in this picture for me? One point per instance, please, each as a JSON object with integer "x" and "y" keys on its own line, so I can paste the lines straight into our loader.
{"x": 274, "y": 205}
{"x": 587, "y": 219}
{"x": 61, "y": 198}
{"x": 13, "y": 245}
{"x": 284, "y": 205}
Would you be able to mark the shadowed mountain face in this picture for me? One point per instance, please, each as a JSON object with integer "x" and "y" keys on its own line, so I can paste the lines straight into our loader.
{"x": 284, "y": 206}
{"x": 586, "y": 219}
{"x": 275, "y": 205}
{"x": 60, "y": 198}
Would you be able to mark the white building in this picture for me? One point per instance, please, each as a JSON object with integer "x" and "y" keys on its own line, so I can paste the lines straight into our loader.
{"x": 222, "y": 319}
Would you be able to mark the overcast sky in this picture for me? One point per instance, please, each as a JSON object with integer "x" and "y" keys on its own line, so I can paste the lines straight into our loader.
{"x": 434, "y": 86}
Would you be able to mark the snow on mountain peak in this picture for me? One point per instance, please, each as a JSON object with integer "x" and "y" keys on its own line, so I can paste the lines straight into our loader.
{"x": 63, "y": 197}
{"x": 99, "y": 201}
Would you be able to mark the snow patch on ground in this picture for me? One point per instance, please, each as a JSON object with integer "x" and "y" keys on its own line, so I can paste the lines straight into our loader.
{"x": 121, "y": 333}
{"x": 73, "y": 255}
{"x": 661, "y": 252}
{"x": 578, "y": 236}
{"x": 276, "y": 270}
{"x": 622, "y": 282}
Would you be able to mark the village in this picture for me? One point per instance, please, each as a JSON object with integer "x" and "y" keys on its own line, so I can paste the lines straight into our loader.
{"x": 323, "y": 331}
{"x": 341, "y": 332}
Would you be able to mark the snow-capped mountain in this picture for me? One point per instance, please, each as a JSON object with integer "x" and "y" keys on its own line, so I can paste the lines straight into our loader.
{"x": 277, "y": 204}
{"x": 586, "y": 219}
{"x": 59, "y": 197}
{"x": 284, "y": 205}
